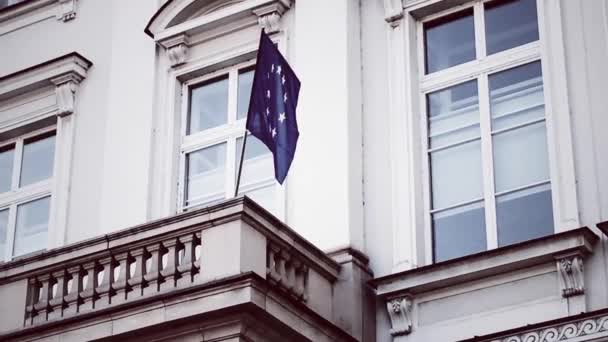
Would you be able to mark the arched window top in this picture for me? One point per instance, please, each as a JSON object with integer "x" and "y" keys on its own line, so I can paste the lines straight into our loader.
{"x": 193, "y": 16}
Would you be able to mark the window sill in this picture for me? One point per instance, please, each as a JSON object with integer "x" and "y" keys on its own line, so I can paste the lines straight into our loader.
{"x": 486, "y": 264}
{"x": 29, "y": 12}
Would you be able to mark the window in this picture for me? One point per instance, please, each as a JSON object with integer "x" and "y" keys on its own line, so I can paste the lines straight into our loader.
{"x": 212, "y": 141}
{"x": 7, "y": 3}
{"x": 486, "y": 140}
{"x": 26, "y": 172}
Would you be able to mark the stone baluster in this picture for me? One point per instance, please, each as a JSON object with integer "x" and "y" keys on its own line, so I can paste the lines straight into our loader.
{"x": 89, "y": 294}
{"x": 302, "y": 282}
{"x": 153, "y": 276}
{"x": 121, "y": 284}
{"x": 136, "y": 280}
{"x": 197, "y": 263}
{"x": 290, "y": 273}
{"x": 33, "y": 294}
{"x": 298, "y": 288}
{"x": 186, "y": 267}
{"x": 42, "y": 306}
{"x": 105, "y": 289}
{"x": 73, "y": 296}
{"x": 57, "y": 303}
{"x": 170, "y": 273}
{"x": 272, "y": 263}
{"x": 282, "y": 267}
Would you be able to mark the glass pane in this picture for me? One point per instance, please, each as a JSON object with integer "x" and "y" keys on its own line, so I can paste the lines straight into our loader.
{"x": 3, "y": 232}
{"x": 449, "y": 41}
{"x": 516, "y": 96}
{"x": 258, "y": 164}
{"x": 453, "y": 114}
{"x": 206, "y": 175}
{"x": 510, "y": 24}
{"x": 459, "y": 231}
{"x": 38, "y": 157}
{"x": 6, "y": 168}
{"x": 524, "y": 215}
{"x": 244, "y": 92}
{"x": 456, "y": 175}
{"x": 520, "y": 157}
{"x": 32, "y": 226}
{"x": 208, "y": 106}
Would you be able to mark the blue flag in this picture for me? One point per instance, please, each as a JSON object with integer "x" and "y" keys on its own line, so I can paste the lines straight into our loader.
{"x": 272, "y": 106}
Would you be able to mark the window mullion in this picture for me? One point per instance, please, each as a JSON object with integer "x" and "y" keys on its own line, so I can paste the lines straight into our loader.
{"x": 233, "y": 79}
{"x": 487, "y": 162}
{"x": 11, "y": 230}
{"x": 480, "y": 34}
{"x": 16, "y": 177}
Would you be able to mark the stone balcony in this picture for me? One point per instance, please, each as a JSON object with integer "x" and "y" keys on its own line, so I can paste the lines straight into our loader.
{"x": 227, "y": 272}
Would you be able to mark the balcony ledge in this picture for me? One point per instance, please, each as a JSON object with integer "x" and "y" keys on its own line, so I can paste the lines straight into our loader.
{"x": 153, "y": 274}
{"x": 486, "y": 264}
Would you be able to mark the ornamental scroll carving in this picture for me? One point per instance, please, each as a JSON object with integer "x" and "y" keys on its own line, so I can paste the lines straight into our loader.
{"x": 566, "y": 332}
{"x": 400, "y": 313}
{"x": 570, "y": 269}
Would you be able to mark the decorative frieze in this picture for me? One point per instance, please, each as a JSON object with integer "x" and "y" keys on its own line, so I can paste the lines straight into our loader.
{"x": 583, "y": 330}
{"x": 400, "y": 314}
{"x": 570, "y": 268}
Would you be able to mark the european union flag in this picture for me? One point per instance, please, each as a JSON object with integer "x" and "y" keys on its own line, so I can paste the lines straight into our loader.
{"x": 272, "y": 106}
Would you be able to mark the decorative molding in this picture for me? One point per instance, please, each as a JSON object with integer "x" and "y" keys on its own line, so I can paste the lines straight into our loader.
{"x": 269, "y": 16}
{"x": 393, "y": 12}
{"x": 570, "y": 268}
{"x": 565, "y": 332}
{"x": 70, "y": 68}
{"x": 400, "y": 313}
{"x": 67, "y": 10}
{"x": 177, "y": 48}
{"x": 65, "y": 90}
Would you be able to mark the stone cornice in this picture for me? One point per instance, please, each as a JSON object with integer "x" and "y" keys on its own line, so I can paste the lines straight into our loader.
{"x": 65, "y": 73}
{"x": 485, "y": 264}
{"x": 63, "y": 10}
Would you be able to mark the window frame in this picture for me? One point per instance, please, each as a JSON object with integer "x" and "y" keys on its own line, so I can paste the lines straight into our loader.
{"x": 227, "y": 133}
{"x": 16, "y": 196}
{"x": 412, "y": 244}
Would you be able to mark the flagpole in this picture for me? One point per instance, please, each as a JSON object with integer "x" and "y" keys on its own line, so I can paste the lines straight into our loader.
{"x": 238, "y": 178}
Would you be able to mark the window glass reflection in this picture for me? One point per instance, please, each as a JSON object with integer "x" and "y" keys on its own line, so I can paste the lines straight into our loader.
{"x": 6, "y": 168}
{"x": 244, "y": 92}
{"x": 453, "y": 114}
{"x": 449, "y": 41}
{"x": 208, "y": 106}
{"x": 206, "y": 175}
{"x": 32, "y": 226}
{"x": 459, "y": 231}
{"x": 38, "y": 159}
{"x": 3, "y": 232}
{"x": 510, "y": 24}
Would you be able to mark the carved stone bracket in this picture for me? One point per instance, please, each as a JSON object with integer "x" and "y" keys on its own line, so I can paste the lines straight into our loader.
{"x": 570, "y": 268}
{"x": 65, "y": 90}
{"x": 270, "y": 15}
{"x": 400, "y": 313}
{"x": 177, "y": 49}
{"x": 67, "y": 10}
{"x": 393, "y": 12}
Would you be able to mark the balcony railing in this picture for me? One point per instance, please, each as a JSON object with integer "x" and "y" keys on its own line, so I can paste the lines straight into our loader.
{"x": 147, "y": 263}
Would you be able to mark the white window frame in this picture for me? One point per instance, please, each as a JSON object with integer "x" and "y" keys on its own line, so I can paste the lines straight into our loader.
{"x": 478, "y": 69}
{"x": 16, "y": 195}
{"x": 227, "y": 133}
{"x": 412, "y": 239}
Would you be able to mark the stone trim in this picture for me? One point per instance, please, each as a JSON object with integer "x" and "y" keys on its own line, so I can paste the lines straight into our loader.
{"x": 400, "y": 313}
{"x": 227, "y": 211}
{"x": 486, "y": 264}
{"x": 28, "y": 14}
{"x": 589, "y": 326}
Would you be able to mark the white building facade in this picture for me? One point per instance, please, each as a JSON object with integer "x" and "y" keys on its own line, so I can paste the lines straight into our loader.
{"x": 447, "y": 184}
